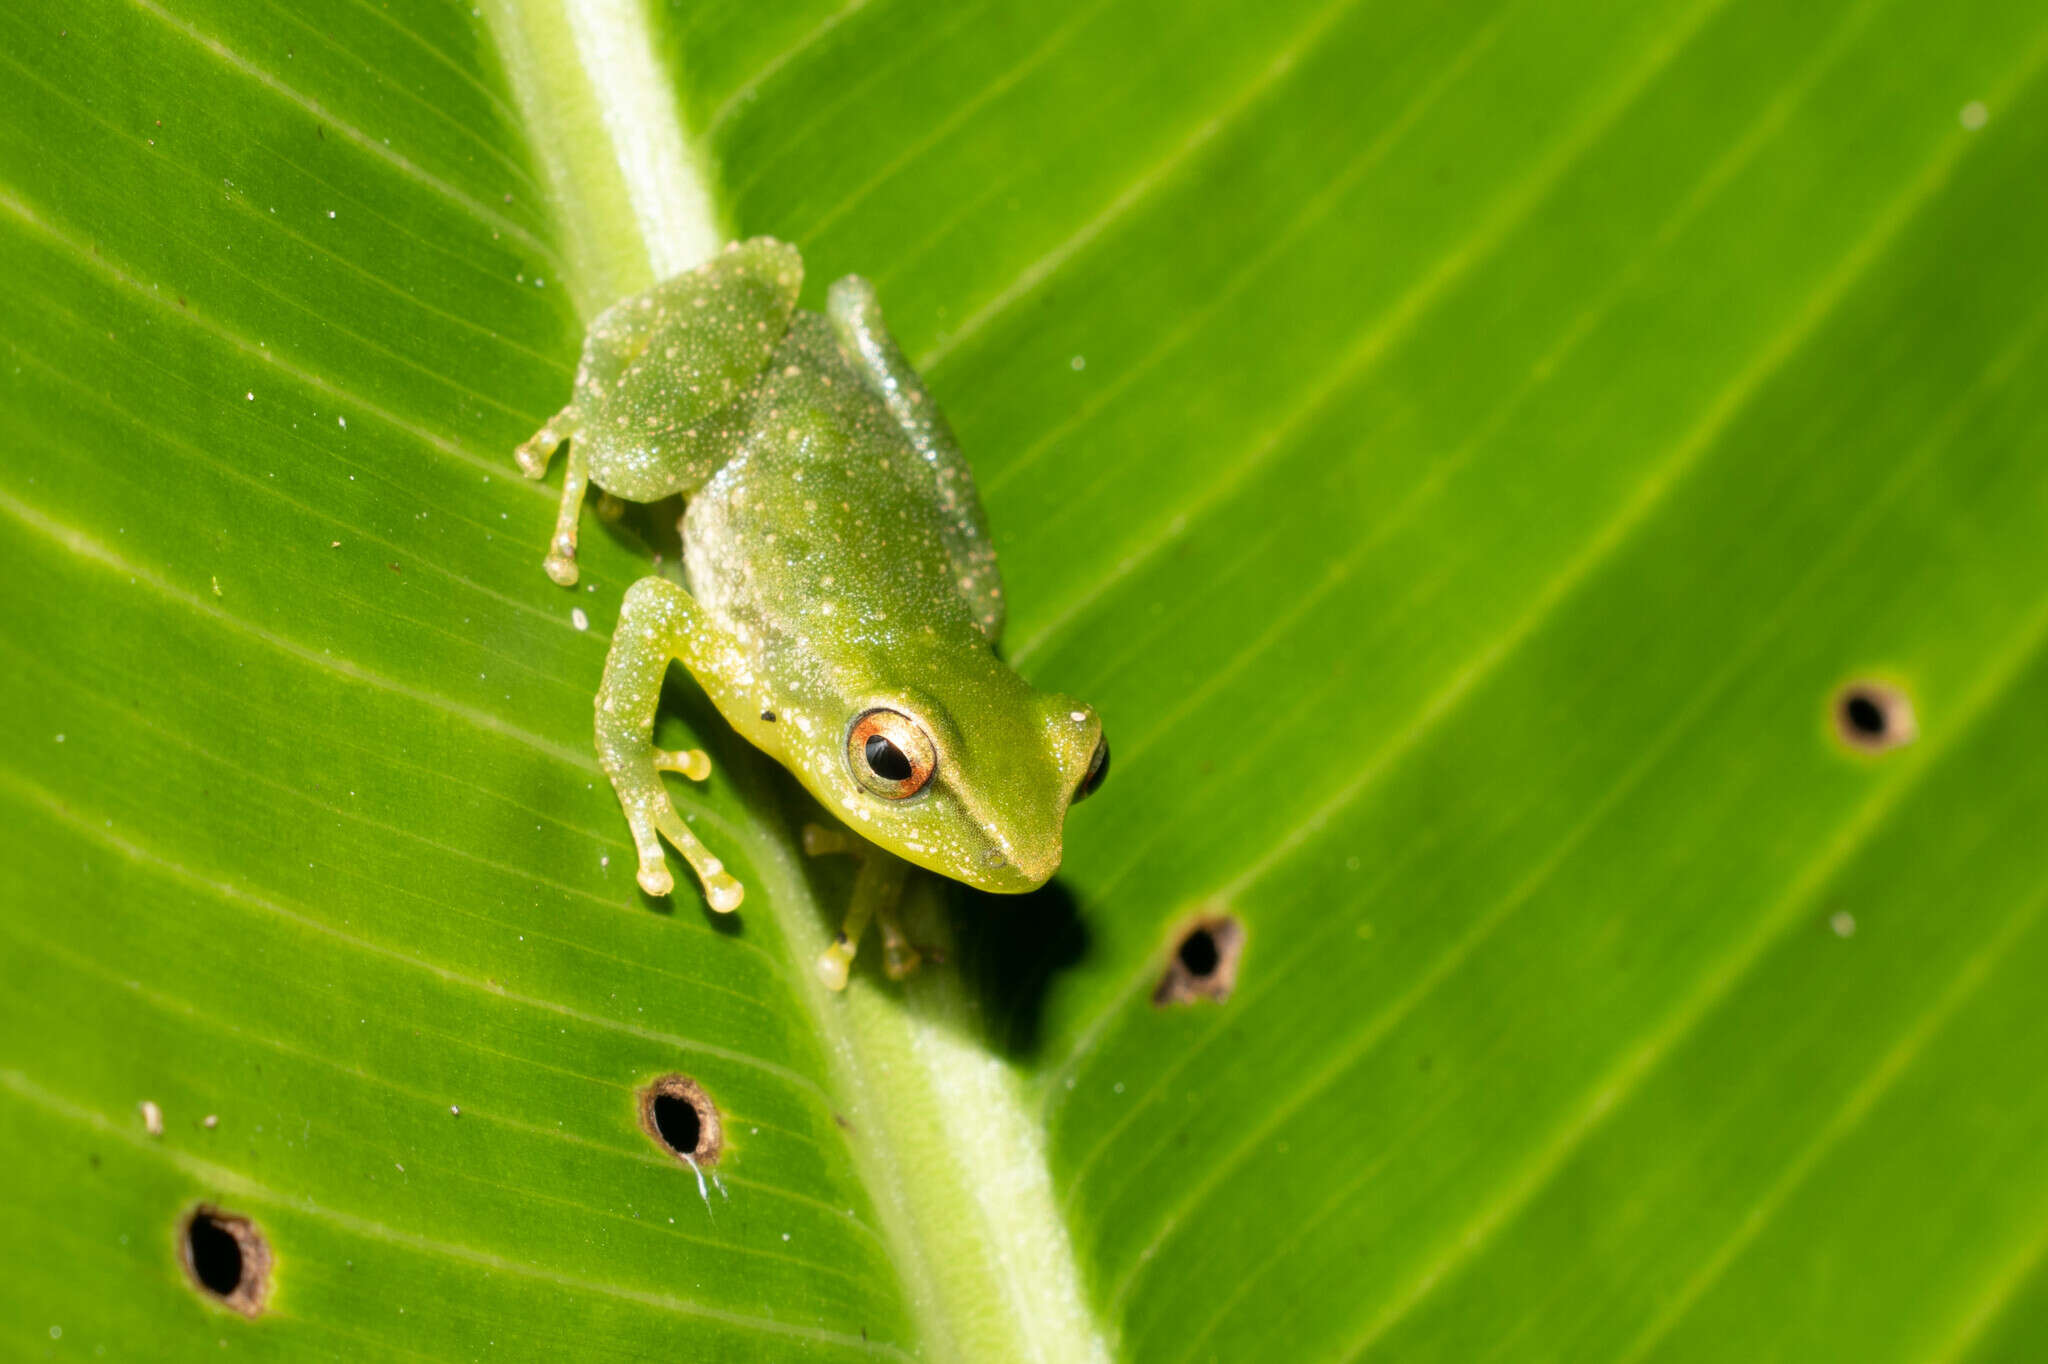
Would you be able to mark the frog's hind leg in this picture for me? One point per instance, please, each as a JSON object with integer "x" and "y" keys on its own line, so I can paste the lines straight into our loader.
{"x": 877, "y": 887}
{"x": 658, "y": 622}
{"x": 856, "y": 317}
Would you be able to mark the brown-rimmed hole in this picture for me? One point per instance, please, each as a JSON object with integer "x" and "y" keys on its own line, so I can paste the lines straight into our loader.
{"x": 1204, "y": 962}
{"x": 680, "y": 1117}
{"x": 226, "y": 1258}
{"x": 1872, "y": 717}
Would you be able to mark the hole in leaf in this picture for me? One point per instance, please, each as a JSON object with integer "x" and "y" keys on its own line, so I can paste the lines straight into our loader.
{"x": 1204, "y": 962}
{"x": 226, "y": 1257}
{"x": 1872, "y": 717}
{"x": 676, "y": 1121}
{"x": 681, "y": 1118}
{"x": 1198, "y": 954}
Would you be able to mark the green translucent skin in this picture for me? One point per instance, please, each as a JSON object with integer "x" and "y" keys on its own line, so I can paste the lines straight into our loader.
{"x": 838, "y": 562}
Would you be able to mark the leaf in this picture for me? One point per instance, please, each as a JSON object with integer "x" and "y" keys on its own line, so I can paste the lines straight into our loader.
{"x": 1468, "y": 454}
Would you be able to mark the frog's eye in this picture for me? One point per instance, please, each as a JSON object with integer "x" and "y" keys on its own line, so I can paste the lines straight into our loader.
{"x": 1098, "y": 768}
{"x": 890, "y": 753}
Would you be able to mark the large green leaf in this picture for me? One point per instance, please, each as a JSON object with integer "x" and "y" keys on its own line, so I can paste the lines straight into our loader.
{"x": 1463, "y": 451}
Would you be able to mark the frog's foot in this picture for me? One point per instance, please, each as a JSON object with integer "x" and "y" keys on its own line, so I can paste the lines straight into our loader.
{"x": 534, "y": 457}
{"x": 652, "y": 817}
{"x": 539, "y": 449}
{"x": 561, "y": 560}
{"x": 876, "y": 888}
{"x": 836, "y": 961}
{"x": 899, "y": 958}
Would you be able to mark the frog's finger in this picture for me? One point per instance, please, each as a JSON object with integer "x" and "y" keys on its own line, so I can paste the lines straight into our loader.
{"x": 653, "y": 875}
{"x": 722, "y": 890}
{"x": 693, "y": 763}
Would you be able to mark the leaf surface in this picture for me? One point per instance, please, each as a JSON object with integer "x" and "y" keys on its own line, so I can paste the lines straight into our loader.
{"x": 1464, "y": 452}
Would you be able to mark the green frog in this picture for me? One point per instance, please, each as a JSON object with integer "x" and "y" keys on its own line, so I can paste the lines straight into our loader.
{"x": 843, "y": 606}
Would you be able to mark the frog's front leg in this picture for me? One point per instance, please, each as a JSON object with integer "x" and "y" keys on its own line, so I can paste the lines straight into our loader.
{"x": 534, "y": 457}
{"x": 877, "y": 890}
{"x": 658, "y": 622}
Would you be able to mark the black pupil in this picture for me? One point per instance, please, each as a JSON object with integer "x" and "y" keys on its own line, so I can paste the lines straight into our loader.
{"x": 886, "y": 760}
{"x": 1865, "y": 715}
{"x": 216, "y": 1256}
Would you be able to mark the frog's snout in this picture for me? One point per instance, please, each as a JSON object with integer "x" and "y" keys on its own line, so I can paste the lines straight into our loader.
{"x": 1016, "y": 872}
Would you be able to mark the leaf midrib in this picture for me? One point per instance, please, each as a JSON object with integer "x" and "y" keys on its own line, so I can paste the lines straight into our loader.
{"x": 986, "y": 1259}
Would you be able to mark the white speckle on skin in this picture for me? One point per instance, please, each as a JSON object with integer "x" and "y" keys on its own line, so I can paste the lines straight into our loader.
{"x": 1973, "y": 115}
{"x": 1079, "y": 362}
{"x": 578, "y": 619}
{"x": 152, "y": 1118}
{"x": 1843, "y": 923}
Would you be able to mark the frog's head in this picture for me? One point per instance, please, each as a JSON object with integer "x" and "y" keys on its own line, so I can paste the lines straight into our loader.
{"x": 968, "y": 774}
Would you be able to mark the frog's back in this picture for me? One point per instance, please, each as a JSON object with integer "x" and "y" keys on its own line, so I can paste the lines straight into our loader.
{"x": 831, "y": 516}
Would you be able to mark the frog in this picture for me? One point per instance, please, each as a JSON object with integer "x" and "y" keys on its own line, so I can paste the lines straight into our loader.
{"x": 841, "y": 604}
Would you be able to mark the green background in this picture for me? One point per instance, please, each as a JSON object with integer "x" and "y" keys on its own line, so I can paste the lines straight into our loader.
{"x": 1460, "y": 450}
